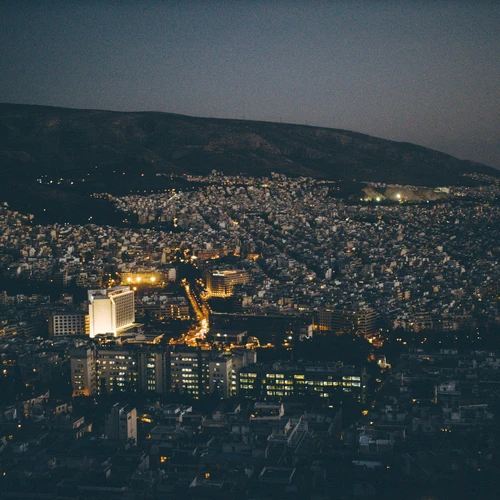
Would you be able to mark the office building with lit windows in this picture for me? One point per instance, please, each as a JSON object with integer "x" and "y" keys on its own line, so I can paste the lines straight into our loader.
{"x": 117, "y": 369}
{"x": 108, "y": 369}
{"x": 189, "y": 370}
{"x": 111, "y": 311}
{"x": 290, "y": 380}
{"x": 199, "y": 372}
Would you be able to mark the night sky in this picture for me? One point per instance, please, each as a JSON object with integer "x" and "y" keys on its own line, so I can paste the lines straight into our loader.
{"x": 426, "y": 72}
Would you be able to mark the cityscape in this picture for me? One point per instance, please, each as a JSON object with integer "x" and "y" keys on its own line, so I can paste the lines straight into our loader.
{"x": 249, "y": 250}
{"x": 254, "y": 338}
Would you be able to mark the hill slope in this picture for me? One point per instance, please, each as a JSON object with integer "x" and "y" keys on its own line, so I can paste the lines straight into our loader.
{"x": 70, "y": 142}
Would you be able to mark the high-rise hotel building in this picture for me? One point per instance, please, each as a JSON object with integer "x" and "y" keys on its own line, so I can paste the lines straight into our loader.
{"x": 110, "y": 311}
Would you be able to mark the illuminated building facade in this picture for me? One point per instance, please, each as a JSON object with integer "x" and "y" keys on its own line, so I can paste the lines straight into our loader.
{"x": 117, "y": 370}
{"x": 331, "y": 380}
{"x": 105, "y": 370}
{"x": 222, "y": 283}
{"x": 200, "y": 372}
{"x": 189, "y": 370}
{"x": 110, "y": 310}
{"x": 152, "y": 369}
{"x": 84, "y": 372}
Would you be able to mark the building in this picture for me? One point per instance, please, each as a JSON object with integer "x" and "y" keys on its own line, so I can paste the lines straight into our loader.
{"x": 83, "y": 372}
{"x": 222, "y": 283}
{"x": 153, "y": 370}
{"x": 111, "y": 311}
{"x": 220, "y": 335}
{"x": 366, "y": 318}
{"x": 292, "y": 380}
{"x": 189, "y": 370}
{"x": 117, "y": 369}
{"x": 41, "y": 367}
{"x": 198, "y": 372}
{"x": 220, "y": 370}
{"x": 267, "y": 411}
{"x": 345, "y": 320}
{"x": 169, "y": 308}
{"x": 109, "y": 369}
{"x": 121, "y": 423}
{"x": 63, "y": 325}
{"x": 61, "y": 278}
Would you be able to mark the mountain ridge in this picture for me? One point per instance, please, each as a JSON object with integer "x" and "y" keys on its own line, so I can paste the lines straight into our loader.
{"x": 47, "y": 140}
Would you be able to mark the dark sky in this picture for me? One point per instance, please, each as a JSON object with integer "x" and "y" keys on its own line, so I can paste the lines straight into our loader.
{"x": 423, "y": 71}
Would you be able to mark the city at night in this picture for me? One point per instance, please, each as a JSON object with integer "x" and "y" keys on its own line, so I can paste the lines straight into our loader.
{"x": 250, "y": 250}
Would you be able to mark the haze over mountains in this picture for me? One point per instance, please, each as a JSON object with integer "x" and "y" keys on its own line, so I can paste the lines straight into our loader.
{"x": 84, "y": 151}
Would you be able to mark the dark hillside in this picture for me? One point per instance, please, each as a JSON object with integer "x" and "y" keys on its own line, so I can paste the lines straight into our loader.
{"x": 86, "y": 151}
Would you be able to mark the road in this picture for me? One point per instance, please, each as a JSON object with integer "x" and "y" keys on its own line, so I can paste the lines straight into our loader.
{"x": 197, "y": 335}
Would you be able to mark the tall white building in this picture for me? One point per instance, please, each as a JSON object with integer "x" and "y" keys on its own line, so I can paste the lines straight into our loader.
{"x": 110, "y": 310}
